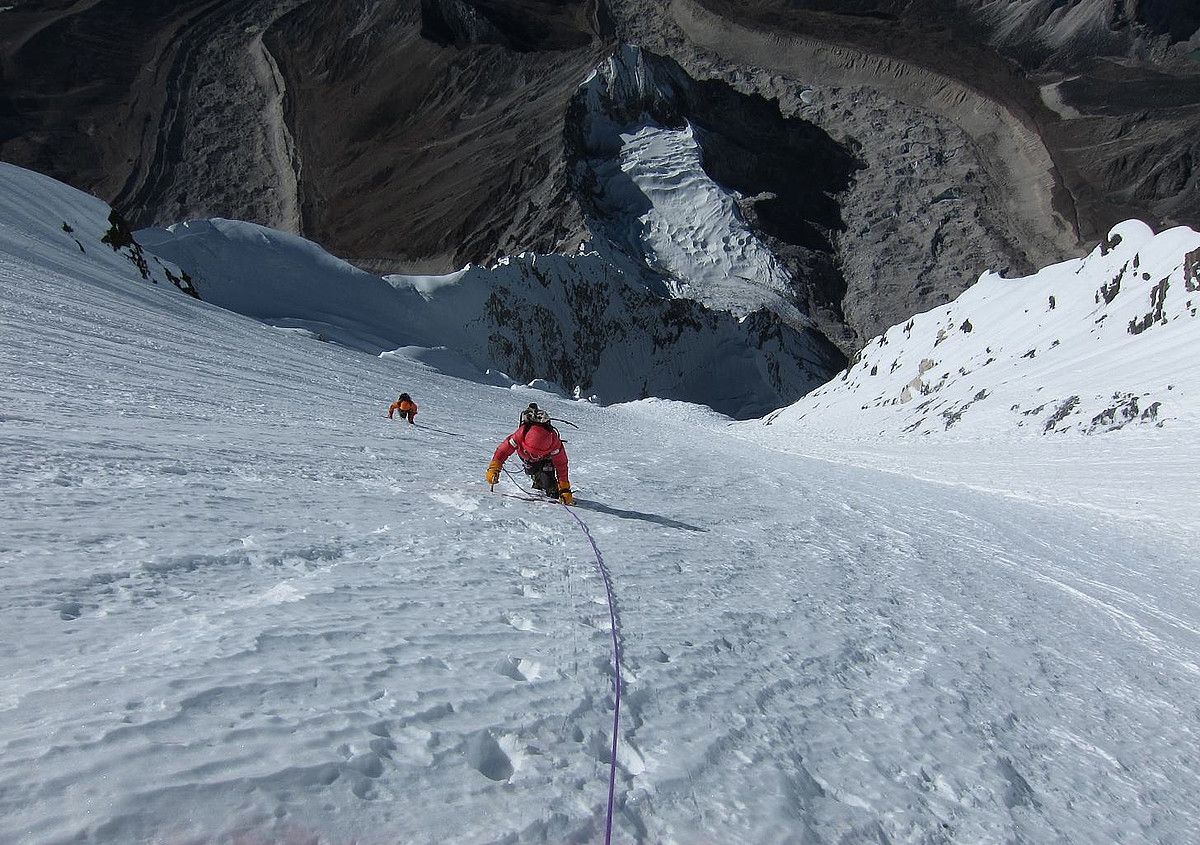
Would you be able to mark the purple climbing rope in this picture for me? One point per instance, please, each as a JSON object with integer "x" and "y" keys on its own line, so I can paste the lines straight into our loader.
{"x": 616, "y": 661}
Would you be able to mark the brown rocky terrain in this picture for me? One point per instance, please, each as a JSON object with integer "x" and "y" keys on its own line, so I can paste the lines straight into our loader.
{"x": 993, "y": 134}
{"x": 422, "y": 134}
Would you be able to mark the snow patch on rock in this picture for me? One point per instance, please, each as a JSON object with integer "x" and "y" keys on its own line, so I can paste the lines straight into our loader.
{"x": 1089, "y": 345}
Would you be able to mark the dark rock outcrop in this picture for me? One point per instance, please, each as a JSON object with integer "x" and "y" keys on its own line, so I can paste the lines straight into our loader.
{"x": 416, "y": 133}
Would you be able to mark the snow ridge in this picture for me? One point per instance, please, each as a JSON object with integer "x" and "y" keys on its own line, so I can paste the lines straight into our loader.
{"x": 1090, "y": 345}
{"x": 578, "y": 321}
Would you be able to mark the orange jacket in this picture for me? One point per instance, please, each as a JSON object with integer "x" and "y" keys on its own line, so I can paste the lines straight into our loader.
{"x": 404, "y": 407}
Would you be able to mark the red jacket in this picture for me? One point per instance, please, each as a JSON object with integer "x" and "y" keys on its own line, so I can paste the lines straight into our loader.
{"x": 534, "y": 443}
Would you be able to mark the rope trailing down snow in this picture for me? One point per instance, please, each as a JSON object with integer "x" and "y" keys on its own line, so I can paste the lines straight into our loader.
{"x": 616, "y": 659}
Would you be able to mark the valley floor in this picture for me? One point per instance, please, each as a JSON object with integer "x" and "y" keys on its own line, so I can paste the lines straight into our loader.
{"x": 240, "y": 605}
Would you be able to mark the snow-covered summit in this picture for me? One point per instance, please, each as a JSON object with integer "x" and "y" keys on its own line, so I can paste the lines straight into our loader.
{"x": 1088, "y": 345}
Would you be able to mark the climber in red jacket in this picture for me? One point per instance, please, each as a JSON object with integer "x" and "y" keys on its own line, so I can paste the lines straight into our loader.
{"x": 539, "y": 447}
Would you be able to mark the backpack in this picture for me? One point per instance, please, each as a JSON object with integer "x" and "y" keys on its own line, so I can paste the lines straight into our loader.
{"x": 533, "y": 415}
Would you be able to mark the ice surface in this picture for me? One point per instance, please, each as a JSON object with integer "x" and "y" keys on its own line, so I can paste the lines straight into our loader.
{"x": 240, "y": 605}
{"x": 691, "y": 230}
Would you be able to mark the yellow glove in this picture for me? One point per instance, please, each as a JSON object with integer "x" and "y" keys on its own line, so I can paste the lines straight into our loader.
{"x": 493, "y": 472}
{"x": 565, "y": 494}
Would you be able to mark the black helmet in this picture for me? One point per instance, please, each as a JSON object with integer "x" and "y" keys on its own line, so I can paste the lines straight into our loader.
{"x": 404, "y": 397}
{"x": 534, "y": 414}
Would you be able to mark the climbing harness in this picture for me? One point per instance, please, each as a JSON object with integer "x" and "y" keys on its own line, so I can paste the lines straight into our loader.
{"x": 602, "y": 568}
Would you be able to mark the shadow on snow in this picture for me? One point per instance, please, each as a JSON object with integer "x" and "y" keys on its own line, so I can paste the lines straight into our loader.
{"x": 588, "y": 505}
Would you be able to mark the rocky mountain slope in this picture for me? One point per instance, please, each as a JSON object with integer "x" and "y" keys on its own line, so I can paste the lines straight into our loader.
{"x": 1090, "y": 345}
{"x": 419, "y": 135}
{"x": 1017, "y": 128}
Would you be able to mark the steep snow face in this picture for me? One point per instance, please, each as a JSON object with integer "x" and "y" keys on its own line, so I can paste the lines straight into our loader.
{"x": 238, "y": 604}
{"x": 1090, "y": 345}
{"x": 661, "y": 205}
{"x": 712, "y": 195}
{"x": 46, "y": 221}
{"x": 574, "y": 320}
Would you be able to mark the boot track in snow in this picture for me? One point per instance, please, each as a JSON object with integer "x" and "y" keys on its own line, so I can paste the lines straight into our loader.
{"x": 616, "y": 647}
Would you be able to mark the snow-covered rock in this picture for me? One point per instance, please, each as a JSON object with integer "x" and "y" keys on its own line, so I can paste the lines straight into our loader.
{"x": 1089, "y": 345}
{"x": 578, "y": 320}
{"x": 46, "y": 221}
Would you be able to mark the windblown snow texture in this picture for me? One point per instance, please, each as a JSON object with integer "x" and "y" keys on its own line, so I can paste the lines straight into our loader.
{"x": 239, "y": 604}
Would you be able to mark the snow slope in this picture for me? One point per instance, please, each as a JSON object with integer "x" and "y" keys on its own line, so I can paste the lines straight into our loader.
{"x": 576, "y": 320}
{"x": 240, "y": 605}
{"x": 1089, "y": 345}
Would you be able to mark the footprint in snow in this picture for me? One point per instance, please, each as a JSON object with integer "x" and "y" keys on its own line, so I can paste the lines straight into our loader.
{"x": 368, "y": 765}
{"x": 519, "y": 669}
{"x": 629, "y": 758}
{"x": 496, "y": 760}
{"x": 518, "y": 621}
{"x": 458, "y": 501}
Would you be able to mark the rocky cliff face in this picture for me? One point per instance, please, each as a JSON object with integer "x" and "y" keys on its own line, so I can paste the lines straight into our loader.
{"x": 1020, "y": 128}
{"x": 884, "y": 152}
{"x": 447, "y": 147}
{"x": 166, "y": 110}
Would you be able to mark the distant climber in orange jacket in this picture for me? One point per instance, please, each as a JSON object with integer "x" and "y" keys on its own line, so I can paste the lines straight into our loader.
{"x": 407, "y": 408}
{"x": 539, "y": 447}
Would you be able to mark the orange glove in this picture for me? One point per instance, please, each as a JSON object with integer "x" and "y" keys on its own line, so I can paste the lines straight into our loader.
{"x": 565, "y": 494}
{"x": 493, "y": 472}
